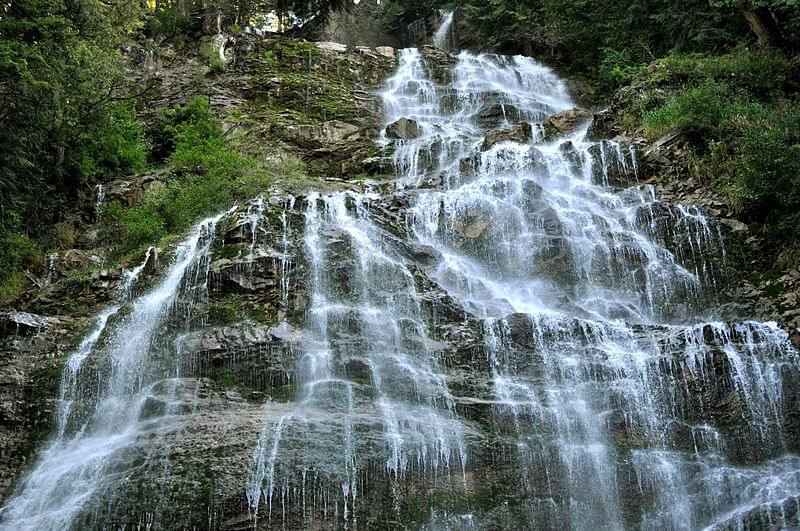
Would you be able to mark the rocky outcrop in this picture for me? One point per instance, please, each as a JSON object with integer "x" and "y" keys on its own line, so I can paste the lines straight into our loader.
{"x": 565, "y": 122}
{"x": 131, "y": 192}
{"x": 513, "y": 133}
{"x": 330, "y": 132}
{"x": 32, "y": 352}
{"x": 403, "y": 129}
{"x": 496, "y": 114}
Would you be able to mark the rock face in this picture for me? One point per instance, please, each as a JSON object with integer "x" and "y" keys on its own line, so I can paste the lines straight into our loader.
{"x": 131, "y": 192}
{"x": 332, "y": 131}
{"x": 565, "y": 122}
{"x": 512, "y": 133}
{"x": 403, "y": 129}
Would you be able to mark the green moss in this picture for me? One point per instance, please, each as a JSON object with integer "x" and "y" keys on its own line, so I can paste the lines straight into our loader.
{"x": 226, "y": 311}
{"x": 229, "y": 251}
{"x": 775, "y": 290}
{"x": 226, "y": 380}
{"x": 284, "y": 393}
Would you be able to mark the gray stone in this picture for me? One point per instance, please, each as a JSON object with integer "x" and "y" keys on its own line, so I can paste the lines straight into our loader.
{"x": 403, "y": 129}
{"x": 565, "y": 122}
{"x": 513, "y": 133}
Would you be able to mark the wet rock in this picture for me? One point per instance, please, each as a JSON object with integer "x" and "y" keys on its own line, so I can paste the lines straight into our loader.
{"x": 60, "y": 264}
{"x": 565, "y": 122}
{"x": 247, "y": 274}
{"x": 403, "y": 129}
{"x": 603, "y": 125}
{"x": 497, "y": 114}
{"x": 152, "y": 263}
{"x": 472, "y": 225}
{"x": 26, "y": 323}
{"x": 425, "y": 254}
{"x": 377, "y": 164}
{"x": 613, "y": 164}
{"x": 513, "y": 133}
{"x": 358, "y": 369}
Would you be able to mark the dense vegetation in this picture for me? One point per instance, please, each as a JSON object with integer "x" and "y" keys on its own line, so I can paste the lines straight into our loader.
{"x": 68, "y": 119}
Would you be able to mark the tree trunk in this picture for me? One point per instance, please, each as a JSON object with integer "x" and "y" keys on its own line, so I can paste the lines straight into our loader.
{"x": 763, "y": 26}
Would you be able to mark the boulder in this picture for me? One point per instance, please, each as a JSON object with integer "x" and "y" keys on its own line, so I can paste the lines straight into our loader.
{"x": 385, "y": 51}
{"x": 604, "y": 124}
{"x": 403, "y": 129}
{"x": 425, "y": 254}
{"x": 26, "y": 323}
{"x": 512, "y": 133}
{"x": 565, "y": 122}
{"x": 328, "y": 46}
{"x": 472, "y": 225}
{"x": 131, "y": 192}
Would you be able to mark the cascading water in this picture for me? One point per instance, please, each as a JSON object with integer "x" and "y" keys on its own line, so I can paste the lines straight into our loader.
{"x": 366, "y": 362}
{"x": 444, "y": 37}
{"x": 520, "y": 335}
{"x": 536, "y": 243}
{"x": 104, "y": 388}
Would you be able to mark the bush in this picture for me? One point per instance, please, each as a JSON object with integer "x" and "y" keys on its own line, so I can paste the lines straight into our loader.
{"x": 17, "y": 251}
{"x": 208, "y": 176}
{"x": 763, "y": 74}
{"x": 114, "y": 146}
{"x": 766, "y": 175}
{"x": 698, "y": 110}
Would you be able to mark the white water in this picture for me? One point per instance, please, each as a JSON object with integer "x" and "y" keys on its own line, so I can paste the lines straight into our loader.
{"x": 376, "y": 324}
{"x": 95, "y": 424}
{"x": 612, "y": 382}
{"x": 535, "y": 230}
{"x": 443, "y": 38}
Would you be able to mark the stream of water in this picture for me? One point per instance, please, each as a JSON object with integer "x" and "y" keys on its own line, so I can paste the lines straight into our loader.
{"x": 602, "y": 381}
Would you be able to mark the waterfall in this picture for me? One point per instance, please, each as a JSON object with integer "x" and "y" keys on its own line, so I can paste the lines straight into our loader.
{"x": 101, "y": 403}
{"x": 444, "y": 38}
{"x": 367, "y": 362}
{"x": 520, "y": 334}
{"x": 538, "y": 242}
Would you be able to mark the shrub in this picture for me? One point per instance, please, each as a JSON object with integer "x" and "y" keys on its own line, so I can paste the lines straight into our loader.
{"x": 17, "y": 251}
{"x": 699, "y": 110}
{"x": 766, "y": 175}
{"x": 114, "y": 146}
{"x": 761, "y": 73}
{"x": 208, "y": 176}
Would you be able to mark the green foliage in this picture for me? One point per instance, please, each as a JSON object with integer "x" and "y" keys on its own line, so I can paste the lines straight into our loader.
{"x": 113, "y": 147}
{"x": 211, "y": 53}
{"x": 762, "y": 73}
{"x": 734, "y": 111}
{"x": 225, "y": 311}
{"x": 61, "y": 129}
{"x": 209, "y": 175}
{"x": 766, "y": 175}
{"x": 16, "y": 250}
{"x": 309, "y": 92}
{"x": 702, "y": 109}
